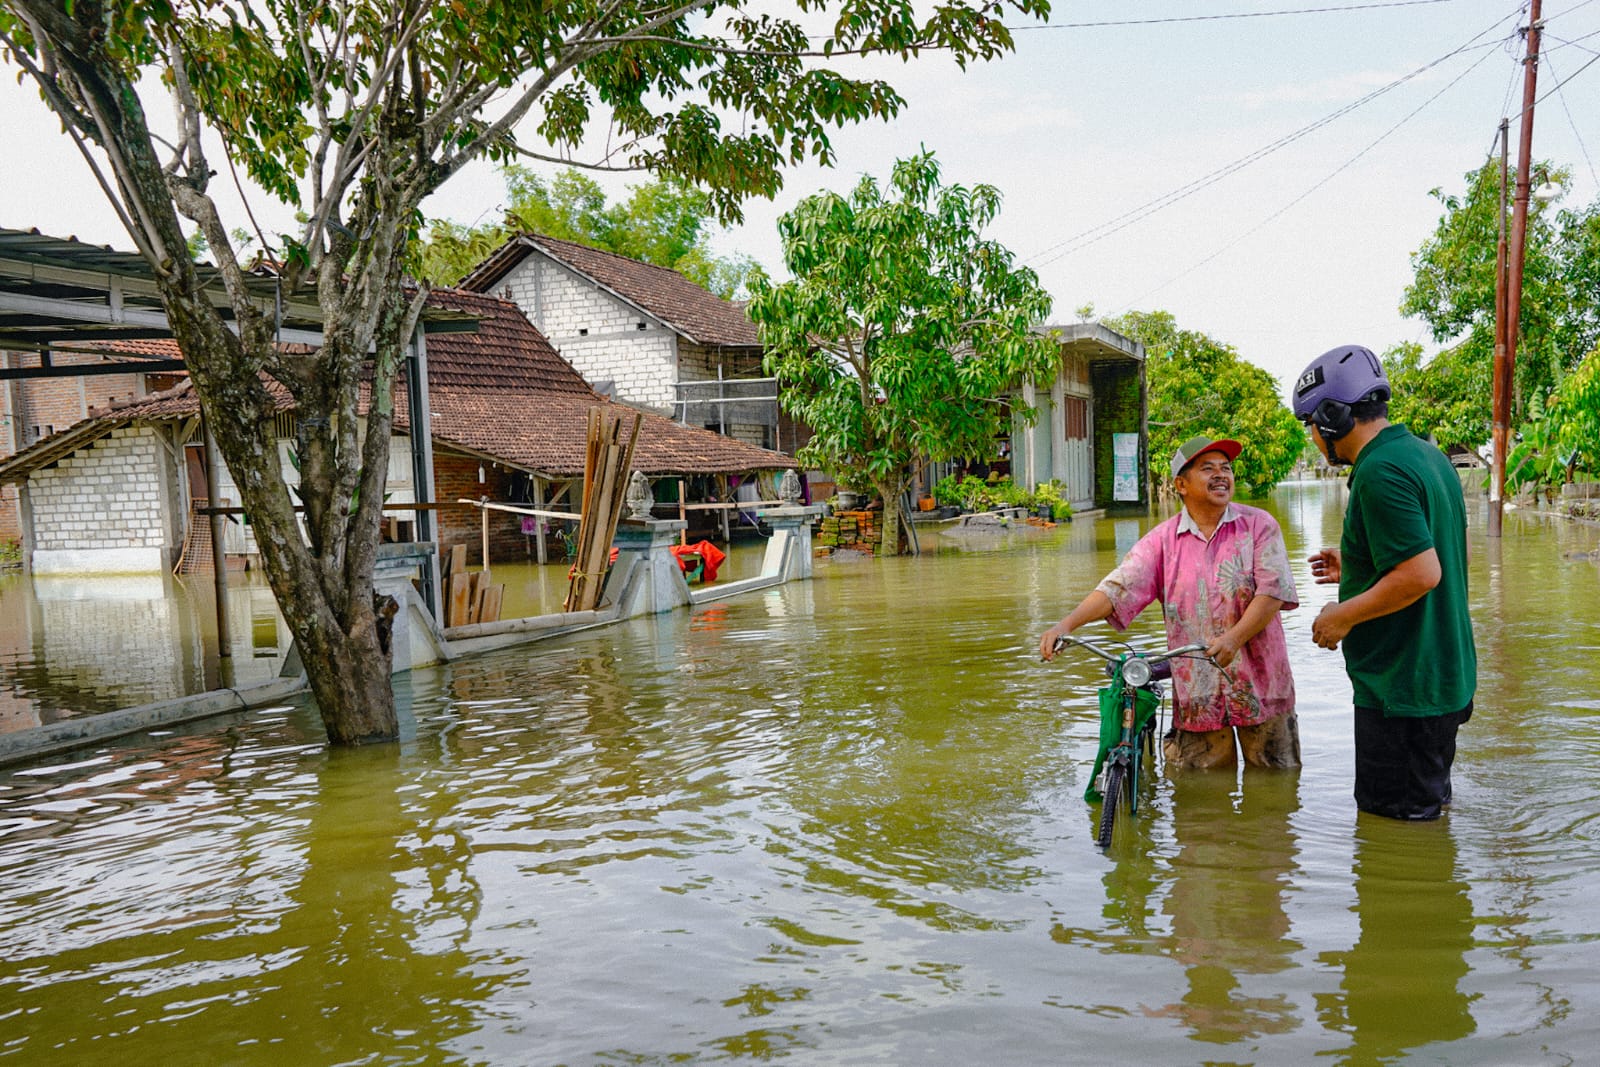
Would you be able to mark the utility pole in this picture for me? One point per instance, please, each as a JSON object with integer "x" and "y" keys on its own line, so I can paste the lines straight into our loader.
{"x": 1506, "y": 320}
{"x": 1500, "y": 436}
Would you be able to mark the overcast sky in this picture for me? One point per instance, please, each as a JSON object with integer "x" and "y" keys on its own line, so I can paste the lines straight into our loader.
{"x": 1086, "y": 127}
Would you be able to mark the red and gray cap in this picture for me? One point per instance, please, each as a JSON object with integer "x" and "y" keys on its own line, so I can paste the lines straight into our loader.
{"x": 1194, "y": 446}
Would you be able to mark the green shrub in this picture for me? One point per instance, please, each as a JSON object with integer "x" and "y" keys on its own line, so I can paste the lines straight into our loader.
{"x": 1049, "y": 494}
{"x": 978, "y": 494}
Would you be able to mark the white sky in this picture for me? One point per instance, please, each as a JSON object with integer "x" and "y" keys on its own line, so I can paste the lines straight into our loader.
{"x": 1081, "y": 126}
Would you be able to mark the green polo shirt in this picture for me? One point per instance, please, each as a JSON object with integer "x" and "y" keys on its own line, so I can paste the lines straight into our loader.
{"x": 1405, "y": 498}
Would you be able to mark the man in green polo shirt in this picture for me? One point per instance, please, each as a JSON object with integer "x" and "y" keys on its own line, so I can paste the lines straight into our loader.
{"x": 1401, "y": 567}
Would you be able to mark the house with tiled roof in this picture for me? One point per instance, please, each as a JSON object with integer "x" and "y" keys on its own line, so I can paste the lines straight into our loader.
{"x": 116, "y": 490}
{"x": 643, "y": 334}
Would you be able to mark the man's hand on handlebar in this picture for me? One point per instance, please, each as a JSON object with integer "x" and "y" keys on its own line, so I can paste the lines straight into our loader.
{"x": 1222, "y": 650}
{"x": 1052, "y": 641}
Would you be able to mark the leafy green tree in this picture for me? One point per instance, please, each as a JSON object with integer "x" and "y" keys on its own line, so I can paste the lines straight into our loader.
{"x": 1198, "y": 385}
{"x": 1443, "y": 397}
{"x": 666, "y": 223}
{"x": 353, "y": 114}
{"x": 1574, "y": 415}
{"x": 901, "y": 327}
{"x": 1454, "y": 293}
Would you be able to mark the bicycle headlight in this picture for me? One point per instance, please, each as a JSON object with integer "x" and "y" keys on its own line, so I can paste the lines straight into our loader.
{"x": 1136, "y": 671}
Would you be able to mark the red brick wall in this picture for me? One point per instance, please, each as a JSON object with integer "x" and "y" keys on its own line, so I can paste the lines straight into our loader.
{"x": 456, "y": 478}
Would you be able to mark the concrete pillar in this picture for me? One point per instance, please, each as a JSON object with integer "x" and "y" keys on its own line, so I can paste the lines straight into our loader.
{"x": 415, "y": 642}
{"x": 646, "y": 579}
{"x": 789, "y": 548}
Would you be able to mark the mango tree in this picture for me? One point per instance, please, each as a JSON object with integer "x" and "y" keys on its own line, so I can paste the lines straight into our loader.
{"x": 352, "y": 114}
{"x": 901, "y": 329}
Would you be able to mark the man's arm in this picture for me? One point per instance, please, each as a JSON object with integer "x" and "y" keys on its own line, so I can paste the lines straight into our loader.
{"x": 1256, "y": 615}
{"x": 1401, "y": 586}
{"x": 1092, "y": 608}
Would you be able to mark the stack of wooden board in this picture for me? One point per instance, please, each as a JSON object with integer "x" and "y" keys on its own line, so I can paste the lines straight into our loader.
{"x": 605, "y": 485}
{"x": 470, "y": 598}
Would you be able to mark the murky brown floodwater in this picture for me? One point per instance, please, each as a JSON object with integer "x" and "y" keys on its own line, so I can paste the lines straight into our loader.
{"x": 840, "y": 823}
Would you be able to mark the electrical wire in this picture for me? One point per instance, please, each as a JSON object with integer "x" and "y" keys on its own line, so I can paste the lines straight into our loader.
{"x": 1083, "y": 239}
{"x": 1573, "y": 123}
{"x": 1318, "y": 185}
{"x": 1224, "y": 17}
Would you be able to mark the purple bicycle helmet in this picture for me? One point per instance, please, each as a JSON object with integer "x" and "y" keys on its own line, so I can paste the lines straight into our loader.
{"x": 1333, "y": 382}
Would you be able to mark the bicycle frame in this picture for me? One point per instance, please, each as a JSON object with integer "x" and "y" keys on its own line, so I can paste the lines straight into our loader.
{"x": 1132, "y": 672}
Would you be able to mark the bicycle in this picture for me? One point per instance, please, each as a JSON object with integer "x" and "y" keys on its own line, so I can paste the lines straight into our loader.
{"x": 1128, "y": 709}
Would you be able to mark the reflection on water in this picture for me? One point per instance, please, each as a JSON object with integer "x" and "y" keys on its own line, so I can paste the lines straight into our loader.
{"x": 1401, "y": 981}
{"x": 839, "y": 822}
{"x": 73, "y": 646}
{"x": 1229, "y": 927}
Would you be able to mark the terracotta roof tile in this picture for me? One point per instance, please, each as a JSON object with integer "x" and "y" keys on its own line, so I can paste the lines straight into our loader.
{"x": 701, "y": 316}
{"x": 548, "y": 433}
{"x": 506, "y": 352}
{"x": 502, "y": 392}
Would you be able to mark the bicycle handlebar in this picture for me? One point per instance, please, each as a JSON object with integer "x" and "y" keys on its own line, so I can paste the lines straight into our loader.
{"x": 1153, "y": 657}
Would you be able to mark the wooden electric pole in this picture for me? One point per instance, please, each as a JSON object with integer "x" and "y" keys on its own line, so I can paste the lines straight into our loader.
{"x": 1509, "y": 310}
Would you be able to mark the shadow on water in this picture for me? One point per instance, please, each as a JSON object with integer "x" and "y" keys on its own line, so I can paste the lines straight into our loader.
{"x": 836, "y": 822}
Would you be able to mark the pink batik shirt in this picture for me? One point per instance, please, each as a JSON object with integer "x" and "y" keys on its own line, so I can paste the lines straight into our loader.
{"x": 1204, "y": 588}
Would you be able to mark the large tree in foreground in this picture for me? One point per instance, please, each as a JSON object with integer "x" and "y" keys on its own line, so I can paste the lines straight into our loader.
{"x": 1199, "y": 385}
{"x": 353, "y": 113}
{"x": 901, "y": 329}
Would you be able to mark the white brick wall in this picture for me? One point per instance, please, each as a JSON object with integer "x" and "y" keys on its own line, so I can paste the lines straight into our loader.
{"x": 596, "y": 332}
{"x": 110, "y": 495}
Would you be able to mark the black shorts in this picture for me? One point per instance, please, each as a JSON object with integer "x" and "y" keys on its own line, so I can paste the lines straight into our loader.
{"x": 1403, "y": 762}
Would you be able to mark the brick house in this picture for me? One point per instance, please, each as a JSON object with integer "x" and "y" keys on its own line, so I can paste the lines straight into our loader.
{"x": 643, "y": 334}
{"x": 114, "y": 490}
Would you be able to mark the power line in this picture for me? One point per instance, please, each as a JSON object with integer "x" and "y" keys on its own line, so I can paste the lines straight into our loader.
{"x": 1571, "y": 122}
{"x": 1318, "y": 185}
{"x": 1224, "y": 17}
{"x": 1083, "y": 239}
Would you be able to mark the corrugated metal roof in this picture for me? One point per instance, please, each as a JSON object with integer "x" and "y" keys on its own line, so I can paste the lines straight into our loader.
{"x": 59, "y": 290}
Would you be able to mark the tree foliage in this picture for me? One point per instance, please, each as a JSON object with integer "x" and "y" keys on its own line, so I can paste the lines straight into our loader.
{"x": 1572, "y": 421}
{"x": 1443, "y": 398}
{"x": 1454, "y": 293}
{"x": 1198, "y": 385}
{"x": 662, "y": 222}
{"x": 902, "y": 326}
{"x": 353, "y": 114}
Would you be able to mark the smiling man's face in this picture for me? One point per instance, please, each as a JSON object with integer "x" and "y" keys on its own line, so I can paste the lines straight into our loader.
{"x": 1209, "y": 478}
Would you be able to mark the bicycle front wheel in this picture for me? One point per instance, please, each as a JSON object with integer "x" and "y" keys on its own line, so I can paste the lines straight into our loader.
{"x": 1117, "y": 785}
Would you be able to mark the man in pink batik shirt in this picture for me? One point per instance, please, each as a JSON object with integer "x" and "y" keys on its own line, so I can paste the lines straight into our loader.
{"x": 1221, "y": 573}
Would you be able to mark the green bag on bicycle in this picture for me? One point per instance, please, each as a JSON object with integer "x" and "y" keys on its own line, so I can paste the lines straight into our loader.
{"x": 1145, "y": 705}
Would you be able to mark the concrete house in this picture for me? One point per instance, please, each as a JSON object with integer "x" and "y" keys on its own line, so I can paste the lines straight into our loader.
{"x": 643, "y": 334}
{"x": 1091, "y": 431}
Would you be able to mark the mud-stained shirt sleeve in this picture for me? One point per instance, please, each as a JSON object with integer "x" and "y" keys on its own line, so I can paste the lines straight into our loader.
{"x": 1274, "y": 577}
{"x": 1136, "y": 581}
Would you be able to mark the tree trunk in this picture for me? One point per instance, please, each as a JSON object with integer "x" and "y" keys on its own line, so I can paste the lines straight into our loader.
{"x": 891, "y": 492}
{"x": 324, "y": 587}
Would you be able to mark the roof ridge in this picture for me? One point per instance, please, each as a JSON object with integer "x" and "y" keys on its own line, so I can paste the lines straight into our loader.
{"x": 533, "y": 235}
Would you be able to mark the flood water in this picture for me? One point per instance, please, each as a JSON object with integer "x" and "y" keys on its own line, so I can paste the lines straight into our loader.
{"x": 840, "y": 822}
